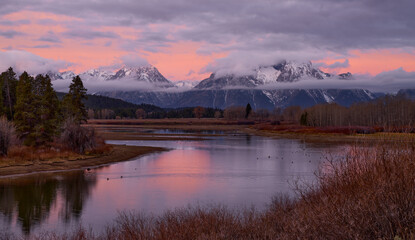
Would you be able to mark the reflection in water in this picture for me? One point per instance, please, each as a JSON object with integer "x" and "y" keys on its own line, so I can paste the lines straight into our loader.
{"x": 248, "y": 139}
{"x": 182, "y": 165}
{"x": 237, "y": 171}
{"x": 30, "y": 199}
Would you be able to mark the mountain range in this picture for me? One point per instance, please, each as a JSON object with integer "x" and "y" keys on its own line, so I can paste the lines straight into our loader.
{"x": 260, "y": 87}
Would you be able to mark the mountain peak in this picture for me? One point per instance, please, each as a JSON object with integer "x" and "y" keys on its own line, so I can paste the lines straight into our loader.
{"x": 345, "y": 76}
{"x": 284, "y": 71}
{"x": 147, "y": 74}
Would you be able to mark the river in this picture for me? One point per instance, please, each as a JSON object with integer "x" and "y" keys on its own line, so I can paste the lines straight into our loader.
{"x": 236, "y": 170}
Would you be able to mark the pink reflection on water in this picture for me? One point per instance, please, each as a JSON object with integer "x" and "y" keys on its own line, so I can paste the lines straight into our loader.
{"x": 181, "y": 166}
{"x": 153, "y": 183}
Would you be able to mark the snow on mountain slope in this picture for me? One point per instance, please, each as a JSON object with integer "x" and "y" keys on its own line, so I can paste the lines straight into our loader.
{"x": 283, "y": 72}
{"x": 148, "y": 74}
{"x": 147, "y": 77}
{"x": 186, "y": 84}
{"x": 268, "y": 75}
{"x": 228, "y": 81}
{"x": 96, "y": 74}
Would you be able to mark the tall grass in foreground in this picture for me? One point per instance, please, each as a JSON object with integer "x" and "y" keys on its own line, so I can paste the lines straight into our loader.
{"x": 369, "y": 194}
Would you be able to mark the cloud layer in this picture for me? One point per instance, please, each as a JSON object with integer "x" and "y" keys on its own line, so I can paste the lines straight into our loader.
{"x": 245, "y": 33}
{"x": 25, "y": 61}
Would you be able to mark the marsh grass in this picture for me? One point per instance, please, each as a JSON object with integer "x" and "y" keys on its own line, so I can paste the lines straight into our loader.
{"x": 368, "y": 193}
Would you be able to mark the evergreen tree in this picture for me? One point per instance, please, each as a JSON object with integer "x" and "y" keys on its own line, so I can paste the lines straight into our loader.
{"x": 8, "y": 82}
{"x": 47, "y": 108}
{"x": 2, "y": 106}
{"x": 25, "y": 116}
{"x": 248, "y": 110}
{"x": 72, "y": 102}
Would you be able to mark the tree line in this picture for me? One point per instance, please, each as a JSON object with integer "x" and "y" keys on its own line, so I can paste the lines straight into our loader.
{"x": 388, "y": 112}
{"x": 30, "y": 107}
{"x": 147, "y": 111}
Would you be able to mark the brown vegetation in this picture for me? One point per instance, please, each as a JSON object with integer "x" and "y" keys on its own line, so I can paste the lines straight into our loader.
{"x": 79, "y": 139}
{"x": 199, "y": 111}
{"x": 23, "y": 159}
{"x": 367, "y": 194}
{"x": 393, "y": 114}
{"x": 7, "y": 135}
{"x": 299, "y": 129}
{"x": 166, "y": 123}
{"x": 234, "y": 113}
{"x": 140, "y": 113}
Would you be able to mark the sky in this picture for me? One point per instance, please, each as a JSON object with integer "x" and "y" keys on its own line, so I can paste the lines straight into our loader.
{"x": 189, "y": 39}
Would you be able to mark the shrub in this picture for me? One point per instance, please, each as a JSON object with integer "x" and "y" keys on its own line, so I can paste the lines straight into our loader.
{"x": 7, "y": 135}
{"x": 78, "y": 138}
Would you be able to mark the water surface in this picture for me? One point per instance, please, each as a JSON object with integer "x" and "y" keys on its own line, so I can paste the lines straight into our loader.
{"x": 237, "y": 171}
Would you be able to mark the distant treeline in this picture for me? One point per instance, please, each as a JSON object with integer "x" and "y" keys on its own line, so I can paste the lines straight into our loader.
{"x": 389, "y": 113}
{"x": 100, "y": 107}
{"x": 142, "y": 111}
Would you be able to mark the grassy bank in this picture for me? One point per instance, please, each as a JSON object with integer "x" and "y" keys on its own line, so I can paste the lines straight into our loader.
{"x": 29, "y": 160}
{"x": 367, "y": 194}
{"x": 137, "y": 129}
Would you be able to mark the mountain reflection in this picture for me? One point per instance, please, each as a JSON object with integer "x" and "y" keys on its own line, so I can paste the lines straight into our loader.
{"x": 30, "y": 200}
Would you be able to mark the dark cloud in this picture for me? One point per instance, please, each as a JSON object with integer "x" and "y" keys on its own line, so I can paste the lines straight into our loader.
{"x": 330, "y": 24}
{"x": 89, "y": 34}
{"x": 10, "y": 34}
{"x": 14, "y": 23}
{"x": 8, "y": 48}
{"x": 42, "y": 46}
{"x": 50, "y": 37}
{"x": 250, "y": 31}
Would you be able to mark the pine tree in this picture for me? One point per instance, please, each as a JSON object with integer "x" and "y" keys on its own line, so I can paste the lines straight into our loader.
{"x": 8, "y": 92}
{"x": 72, "y": 102}
{"x": 2, "y": 106}
{"x": 47, "y": 109}
{"x": 248, "y": 110}
{"x": 25, "y": 116}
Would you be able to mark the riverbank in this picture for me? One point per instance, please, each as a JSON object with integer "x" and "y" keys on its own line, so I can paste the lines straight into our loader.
{"x": 143, "y": 129}
{"x": 116, "y": 153}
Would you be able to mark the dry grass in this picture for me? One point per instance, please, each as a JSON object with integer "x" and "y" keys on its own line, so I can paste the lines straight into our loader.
{"x": 369, "y": 193}
{"x": 27, "y": 155}
{"x": 171, "y": 121}
{"x": 69, "y": 160}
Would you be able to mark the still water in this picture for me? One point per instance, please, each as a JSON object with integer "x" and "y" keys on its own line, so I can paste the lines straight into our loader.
{"x": 236, "y": 171}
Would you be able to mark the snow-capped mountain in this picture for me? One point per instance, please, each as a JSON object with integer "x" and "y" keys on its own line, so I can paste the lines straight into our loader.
{"x": 279, "y": 73}
{"x": 221, "y": 91}
{"x": 288, "y": 72}
{"x": 228, "y": 81}
{"x": 223, "y": 98}
{"x": 96, "y": 74}
{"x": 186, "y": 84}
{"x": 67, "y": 75}
{"x": 148, "y": 74}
